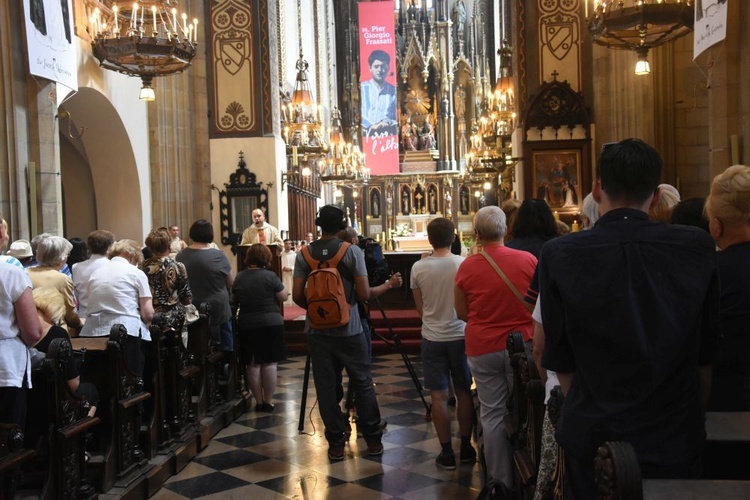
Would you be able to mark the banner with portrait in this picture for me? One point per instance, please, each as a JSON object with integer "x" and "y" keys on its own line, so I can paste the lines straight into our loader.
{"x": 378, "y": 93}
{"x": 710, "y": 24}
{"x": 49, "y": 38}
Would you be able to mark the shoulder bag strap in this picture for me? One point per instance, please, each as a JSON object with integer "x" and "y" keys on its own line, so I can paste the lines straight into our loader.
{"x": 507, "y": 281}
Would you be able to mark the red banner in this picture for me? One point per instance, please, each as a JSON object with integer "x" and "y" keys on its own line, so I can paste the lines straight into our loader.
{"x": 378, "y": 95}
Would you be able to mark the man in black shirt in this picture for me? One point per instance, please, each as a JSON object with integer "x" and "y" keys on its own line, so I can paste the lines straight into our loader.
{"x": 630, "y": 311}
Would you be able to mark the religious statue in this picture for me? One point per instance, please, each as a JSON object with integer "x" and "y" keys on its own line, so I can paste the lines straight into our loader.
{"x": 375, "y": 205}
{"x": 458, "y": 16}
{"x": 448, "y": 200}
{"x": 427, "y": 136}
{"x": 409, "y": 135}
{"x": 405, "y": 202}
{"x": 444, "y": 106}
{"x": 464, "y": 202}
{"x": 459, "y": 102}
{"x": 433, "y": 201}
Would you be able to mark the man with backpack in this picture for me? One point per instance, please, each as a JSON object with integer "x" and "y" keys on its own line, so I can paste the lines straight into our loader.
{"x": 329, "y": 277}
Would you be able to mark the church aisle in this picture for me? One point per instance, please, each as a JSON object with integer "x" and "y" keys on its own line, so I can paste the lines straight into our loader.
{"x": 263, "y": 456}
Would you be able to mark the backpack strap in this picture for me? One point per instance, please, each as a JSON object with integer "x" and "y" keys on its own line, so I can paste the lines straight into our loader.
{"x": 308, "y": 258}
{"x": 332, "y": 262}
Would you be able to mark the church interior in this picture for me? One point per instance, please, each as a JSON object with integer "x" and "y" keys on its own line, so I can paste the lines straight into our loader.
{"x": 131, "y": 115}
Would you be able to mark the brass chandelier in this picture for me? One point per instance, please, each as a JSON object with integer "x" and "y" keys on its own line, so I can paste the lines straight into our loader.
{"x": 490, "y": 140}
{"x": 638, "y": 25}
{"x": 143, "y": 38}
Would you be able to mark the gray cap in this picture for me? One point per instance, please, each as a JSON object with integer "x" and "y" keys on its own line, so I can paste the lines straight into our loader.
{"x": 20, "y": 249}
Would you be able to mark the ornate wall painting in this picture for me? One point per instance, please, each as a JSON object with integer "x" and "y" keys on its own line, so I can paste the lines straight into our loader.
{"x": 557, "y": 178}
{"x": 560, "y": 41}
{"x": 232, "y": 66}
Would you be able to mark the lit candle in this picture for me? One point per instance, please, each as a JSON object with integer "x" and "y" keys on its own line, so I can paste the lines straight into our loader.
{"x": 557, "y": 216}
{"x": 586, "y": 8}
{"x": 575, "y": 227}
{"x": 153, "y": 13}
{"x": 174, "y": 21}
{"x": 116, "y": 10}
{"x": 143, "y": 10}
{"x": 184, "y": 23}
{"x": 133, "y": 16}
{"x": 195, "y": 30}
{"x": 190, "y": 32}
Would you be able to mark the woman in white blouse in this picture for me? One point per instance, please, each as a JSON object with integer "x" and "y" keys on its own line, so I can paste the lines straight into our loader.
{"x": 119, "y": 294}
{"x": 19, "y": 328}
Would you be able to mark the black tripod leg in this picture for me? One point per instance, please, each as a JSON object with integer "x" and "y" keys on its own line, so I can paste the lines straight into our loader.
{"x": 305, "y": 383}
{"x": 407, "y": 361}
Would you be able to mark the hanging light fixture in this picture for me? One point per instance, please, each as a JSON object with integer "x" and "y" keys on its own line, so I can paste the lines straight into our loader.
{"x": 143, "y": 38}
{"x": 490, "y": 147}
{"x": 642, "y": 67}
{"x": 638, "y": 25}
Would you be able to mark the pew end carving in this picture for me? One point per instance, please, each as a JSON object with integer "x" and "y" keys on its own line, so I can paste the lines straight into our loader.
{"x": 525, "y": 414}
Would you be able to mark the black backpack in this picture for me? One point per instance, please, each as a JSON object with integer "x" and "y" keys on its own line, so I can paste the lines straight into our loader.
{"x": 378, "y": 271}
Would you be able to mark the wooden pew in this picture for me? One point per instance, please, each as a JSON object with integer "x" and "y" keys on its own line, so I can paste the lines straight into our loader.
{"x": 12, "y": 456}
{"x": 219, "y": 395}
{"x": 170, "y": 369}
{"x": 727, "y": 437}
{"x": 58, "y": 425}
{"x": 618, "y": 477}
{"x": 119, "y": 460}
{"x": 525, "y": 414}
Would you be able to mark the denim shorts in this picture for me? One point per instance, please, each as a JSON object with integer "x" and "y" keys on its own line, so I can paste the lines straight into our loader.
{"x": 441, "y": 360}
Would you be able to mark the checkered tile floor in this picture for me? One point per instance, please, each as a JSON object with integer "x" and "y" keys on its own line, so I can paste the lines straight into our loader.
{"x": 263, "y": 456}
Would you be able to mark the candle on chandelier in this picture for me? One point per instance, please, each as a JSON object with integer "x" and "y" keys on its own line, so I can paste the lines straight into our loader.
{"x": 184, "y": 23}
{"x": 133, "y": 15}
{"x": 153, "y": 13}
{"x": 174, "y": 22}
{"x": 195, "y": 30}
{"x": 116, "y": 10}
{"x": 143, "y": 10}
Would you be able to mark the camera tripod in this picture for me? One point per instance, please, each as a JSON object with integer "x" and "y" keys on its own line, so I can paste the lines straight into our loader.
{"x": 394, "y": 343}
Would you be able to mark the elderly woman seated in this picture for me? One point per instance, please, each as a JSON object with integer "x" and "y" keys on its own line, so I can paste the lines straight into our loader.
{"x": 51, "y": 254}
{"x": 50, "y": 309}
{"x": 119, "y": 294}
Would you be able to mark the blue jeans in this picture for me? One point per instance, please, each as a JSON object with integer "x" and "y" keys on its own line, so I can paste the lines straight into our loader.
{"x": 329, "y": 355}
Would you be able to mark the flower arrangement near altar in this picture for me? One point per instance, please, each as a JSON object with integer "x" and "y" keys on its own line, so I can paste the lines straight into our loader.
{"x": 402, "y": 229}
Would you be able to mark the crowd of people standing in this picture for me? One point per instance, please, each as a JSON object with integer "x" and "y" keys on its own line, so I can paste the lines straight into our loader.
{"x": 629, "y": 316}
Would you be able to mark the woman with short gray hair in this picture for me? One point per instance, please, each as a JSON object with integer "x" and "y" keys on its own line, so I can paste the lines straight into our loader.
{"x": 492, "y": 307}
{"x": 51, "y": 254}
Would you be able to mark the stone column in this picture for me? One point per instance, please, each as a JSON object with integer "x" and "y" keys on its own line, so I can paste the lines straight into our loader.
{"x": 179, "y": 151}
{"x": 13, "y": 137}
{"x": 44, "y": 151}
{"x": 725, "y": 92}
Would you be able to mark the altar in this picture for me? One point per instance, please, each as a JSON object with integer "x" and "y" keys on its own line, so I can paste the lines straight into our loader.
{"x": 415, "y": 243}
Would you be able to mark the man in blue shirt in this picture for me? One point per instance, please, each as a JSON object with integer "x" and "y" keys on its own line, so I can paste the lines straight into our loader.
{"x": 630, "y": 312}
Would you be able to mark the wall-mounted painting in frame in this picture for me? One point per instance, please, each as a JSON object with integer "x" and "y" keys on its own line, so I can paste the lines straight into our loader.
{"x": 556, "y": 177}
